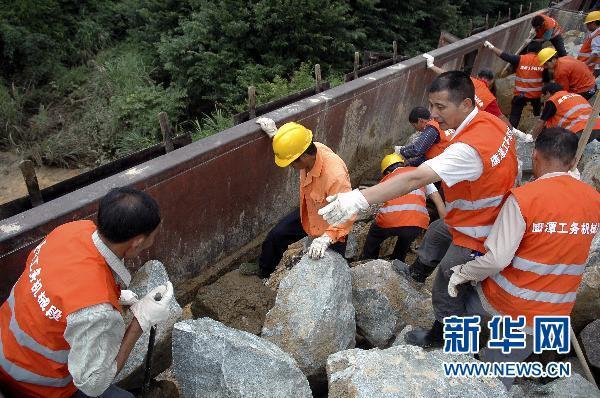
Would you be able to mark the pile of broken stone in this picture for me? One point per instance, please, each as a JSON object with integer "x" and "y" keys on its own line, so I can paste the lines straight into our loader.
{"x": 315, "y": 315}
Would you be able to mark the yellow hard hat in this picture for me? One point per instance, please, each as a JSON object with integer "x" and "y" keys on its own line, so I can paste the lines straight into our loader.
{"x": 290, "y": 142}
{"x": 545, "y": 54}
{"x": 592, "y": 17}
{"x": 391, "y": 159}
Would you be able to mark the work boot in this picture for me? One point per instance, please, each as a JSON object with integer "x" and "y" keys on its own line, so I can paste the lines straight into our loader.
{"x": 433, "y": 337}
{"x": 417, "y": 271}
{"x": 253, "y": 269}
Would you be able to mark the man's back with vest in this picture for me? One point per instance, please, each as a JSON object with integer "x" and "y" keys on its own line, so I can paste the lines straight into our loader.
{"x": 61, "y": 329}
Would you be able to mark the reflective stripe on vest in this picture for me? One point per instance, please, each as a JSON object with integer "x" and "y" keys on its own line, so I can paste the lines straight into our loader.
{"x": 475, "y": 232}
{"x": 26, "y": 340}
{"x": 463, "y": 204}
{"x": 579, "y": 119}
{"x": 526, "y": 294}
{"x": 525, "y": 80}
{"x": 574, "y": 109}
{"x": 26, "y": 376}
{"x": 393, "y": 208}
{"x": 528, "y": 89}
{"x": 585, "y": 52}
{"x": 548, "y": 269}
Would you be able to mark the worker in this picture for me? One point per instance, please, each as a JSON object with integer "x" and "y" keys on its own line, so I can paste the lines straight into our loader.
{"x": 545, "y": 29}
{"x": 430, "y": 143}
{"x": 589, "y": 53}
{"x": 528, "y": 80}
{"x": 477, "y": 169}
{"x": 572, "y": 74}
{"x": 536, "y": 252}
{"x": 322, "y": 173}
{"x": 405, "y": 217}
{"x": 484, "y": 98}
{"x": 567, "y": 110}
{"x": 62, "y": 332}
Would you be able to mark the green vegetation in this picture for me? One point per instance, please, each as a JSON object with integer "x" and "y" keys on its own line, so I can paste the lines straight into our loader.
{"x": 82, "y": 81}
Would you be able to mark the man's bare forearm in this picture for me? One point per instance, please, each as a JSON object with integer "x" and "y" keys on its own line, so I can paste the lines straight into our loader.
{"x": 132, "y": 334}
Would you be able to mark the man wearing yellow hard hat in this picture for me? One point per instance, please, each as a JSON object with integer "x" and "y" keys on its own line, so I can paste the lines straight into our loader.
{"x": 405, "y": 217}
{"x": 589, "y": 53}
{"x": 572, "y": 74}
{"x": 322, "y": 174}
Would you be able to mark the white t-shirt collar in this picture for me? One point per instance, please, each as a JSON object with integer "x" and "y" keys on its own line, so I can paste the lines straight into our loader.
{"x": 114, "y": 262}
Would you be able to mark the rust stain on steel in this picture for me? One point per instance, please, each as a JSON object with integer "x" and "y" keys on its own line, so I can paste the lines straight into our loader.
{"x": 218, "y": 193}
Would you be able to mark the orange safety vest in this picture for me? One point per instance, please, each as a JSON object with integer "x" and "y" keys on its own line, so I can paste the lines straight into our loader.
{"x": 63, "y": 274}
{"x": 545, "y": 273}
{"x": 528, "y": 77}
{"x": 585, "y": 52}
{"x": 474, "y": 205}
{"x": 573, "y": 75}
{"x": 483, "y": 95}
{"x": 549, "y": 23}
{"x": 405, "y": 211}
{"x": 439, "y": 146}
{"x": 572, "y": 112}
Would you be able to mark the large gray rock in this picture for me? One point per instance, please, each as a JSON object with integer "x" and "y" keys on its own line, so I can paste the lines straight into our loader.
{"x": 591, "y": 175}
{"x": 402, "y": 371}
{"x": 590, "y": 337}
{"x": 525, "y": 154}
{"x": 591, "y": 153}
{"x": 575, "y": 386}
{"x": 213, "y": 360}
{"x": 149, "y": 276}
{"x": 385, "y": 302}
{"x": 587, "y": 304}
{"x": 313, "y": 316}
{"x": 573, "y": 40}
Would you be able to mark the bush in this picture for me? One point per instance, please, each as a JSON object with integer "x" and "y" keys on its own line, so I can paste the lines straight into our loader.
{"x": 112, "y": 114}
{"x": 211, "y": 124}
{"x": 11, "y": 114}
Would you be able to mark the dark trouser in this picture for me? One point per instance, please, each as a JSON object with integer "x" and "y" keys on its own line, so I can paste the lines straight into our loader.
{"x": 559, "y": 45}
{"x": 472, "y": 306}
{"x": 287, "y": 231}
{"x": 588, "y": 94}
{"x": 437, "y": 249}
{"x": 518, "y": 103}
{"x": 377, "y": 234}
{"x": 111, "y": 392}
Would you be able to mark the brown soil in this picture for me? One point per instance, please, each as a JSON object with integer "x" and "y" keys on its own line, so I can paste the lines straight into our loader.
{"x": 12, "y": 185}
{"x": 239, "y": 301}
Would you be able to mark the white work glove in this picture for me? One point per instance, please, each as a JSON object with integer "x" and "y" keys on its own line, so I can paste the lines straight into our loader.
{"x": 489, "y": 45}
{"x": 318, "y": 246}
{"x": 397, "y": 149}
{"x": 455, "y": 280}
{"x": 532, "y": 32}
{"x": 343, "y": 206}
{"x": 149, "y": 311}
{"x": 522, "y": 136}
{"x": 267, "y": 125}
{"x": 575, "y": 173}
{"x": 128, "y": 297}
{"x": 429, "y": 59}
